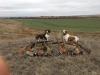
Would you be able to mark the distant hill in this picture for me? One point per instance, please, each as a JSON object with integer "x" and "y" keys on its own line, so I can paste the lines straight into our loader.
{"x": 54, "y": 17}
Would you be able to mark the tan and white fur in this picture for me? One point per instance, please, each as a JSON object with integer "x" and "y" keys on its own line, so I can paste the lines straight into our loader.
{"x": 67, "y": 36}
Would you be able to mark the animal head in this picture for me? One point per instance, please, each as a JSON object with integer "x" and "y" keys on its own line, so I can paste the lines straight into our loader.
{"x": 65, "y": 32}
{"x": 48, "y": 31}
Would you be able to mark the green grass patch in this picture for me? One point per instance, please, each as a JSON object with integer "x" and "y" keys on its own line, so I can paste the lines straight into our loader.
{"x": 83, "y": 25}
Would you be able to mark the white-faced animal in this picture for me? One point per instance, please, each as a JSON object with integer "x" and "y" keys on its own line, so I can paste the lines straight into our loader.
{"x": 44, "y": 36}
{"x": 67, "y": 37}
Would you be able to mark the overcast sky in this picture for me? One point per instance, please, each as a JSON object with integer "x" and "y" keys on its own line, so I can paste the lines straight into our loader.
{"x": 48, "y": 7}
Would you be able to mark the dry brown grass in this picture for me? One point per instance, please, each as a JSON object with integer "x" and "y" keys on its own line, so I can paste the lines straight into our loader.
{"x": 56, "y": 65}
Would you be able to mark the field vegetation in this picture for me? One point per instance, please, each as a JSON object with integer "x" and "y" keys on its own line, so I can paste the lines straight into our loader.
{"x": 17, "y": 33}
{"x": 80, "y": 25}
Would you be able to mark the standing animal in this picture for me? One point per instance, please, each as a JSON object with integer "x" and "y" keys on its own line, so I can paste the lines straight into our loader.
{"x": 44, "y": 36}
{"x": 74, "y": 41}
{"x": 69, "y": 38}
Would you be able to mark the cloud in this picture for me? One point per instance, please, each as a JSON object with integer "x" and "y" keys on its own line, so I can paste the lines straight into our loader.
{"x": 48, "y": 7}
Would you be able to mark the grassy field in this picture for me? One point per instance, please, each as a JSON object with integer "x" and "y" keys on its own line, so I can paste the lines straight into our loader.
{"x": 14, "y": 37}
{"x": 82, "y": 25}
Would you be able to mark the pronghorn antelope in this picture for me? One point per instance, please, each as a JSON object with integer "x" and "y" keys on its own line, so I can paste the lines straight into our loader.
{"x": 44, "y": 36}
